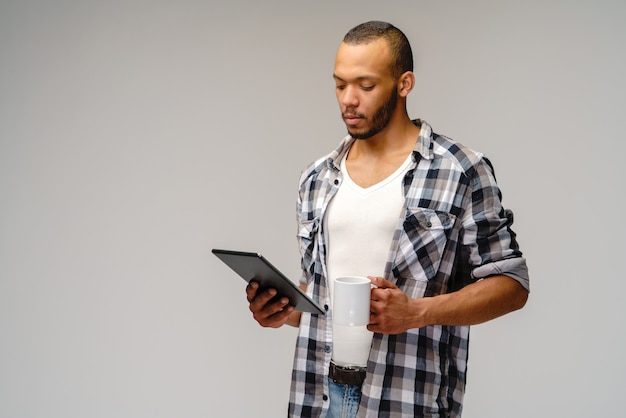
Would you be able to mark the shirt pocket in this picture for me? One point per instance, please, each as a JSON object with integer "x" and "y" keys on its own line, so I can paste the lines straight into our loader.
{"x": 421, "y": 248}
{"x": 307, "y": 234}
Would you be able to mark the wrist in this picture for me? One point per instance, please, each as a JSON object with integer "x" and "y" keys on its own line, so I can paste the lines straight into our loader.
{"x": 421, "y": 312}
{"x": 294, "y": 319}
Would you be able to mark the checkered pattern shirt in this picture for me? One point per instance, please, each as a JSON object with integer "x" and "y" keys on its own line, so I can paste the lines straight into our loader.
{"x": 454, "y": 232}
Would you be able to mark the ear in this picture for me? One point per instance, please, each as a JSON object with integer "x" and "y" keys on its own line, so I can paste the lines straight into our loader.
{"x": 406, "y": 82}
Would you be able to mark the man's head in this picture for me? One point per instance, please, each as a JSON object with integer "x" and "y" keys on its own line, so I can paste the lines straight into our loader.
{"x": 373, "y": 74}
{"x": 401, "y": 53}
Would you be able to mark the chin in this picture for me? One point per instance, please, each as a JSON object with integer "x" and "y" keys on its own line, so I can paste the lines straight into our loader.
{"x": 362, "y": 134}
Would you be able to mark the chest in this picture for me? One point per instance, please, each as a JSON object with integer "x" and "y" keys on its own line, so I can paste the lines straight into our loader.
{"x": 367, "y": 173}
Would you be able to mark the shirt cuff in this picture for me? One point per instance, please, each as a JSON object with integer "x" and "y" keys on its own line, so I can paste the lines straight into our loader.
{"x": 514, "y": 268}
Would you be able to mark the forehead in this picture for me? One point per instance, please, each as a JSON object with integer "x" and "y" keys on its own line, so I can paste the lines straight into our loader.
{"x": 372, "y": 59}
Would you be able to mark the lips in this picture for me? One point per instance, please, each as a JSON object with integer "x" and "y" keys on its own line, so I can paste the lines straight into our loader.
{"x": 351, "y": 119}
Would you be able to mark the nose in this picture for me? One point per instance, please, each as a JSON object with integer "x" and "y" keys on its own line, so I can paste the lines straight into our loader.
{"x": 348, "y": 97}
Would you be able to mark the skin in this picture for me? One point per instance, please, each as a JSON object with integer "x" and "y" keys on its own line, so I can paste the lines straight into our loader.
{"x": 373, "y": 105}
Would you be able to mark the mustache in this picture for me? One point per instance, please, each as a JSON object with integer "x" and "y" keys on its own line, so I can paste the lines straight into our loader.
{"x": 352, "y": 114}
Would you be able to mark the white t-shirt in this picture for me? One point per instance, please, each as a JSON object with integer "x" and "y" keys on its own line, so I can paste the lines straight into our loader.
{"x": 361, "y": 223}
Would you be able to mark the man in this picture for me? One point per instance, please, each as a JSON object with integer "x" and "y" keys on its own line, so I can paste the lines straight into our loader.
{"x": 421, "y": 216}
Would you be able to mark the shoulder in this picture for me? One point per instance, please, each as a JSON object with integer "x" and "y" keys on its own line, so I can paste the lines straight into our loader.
{"x": 457, "y": 154}
{"x": 445, "y": 152}
{"x": 325, "y": 164}
{"x": 313, "y": 170}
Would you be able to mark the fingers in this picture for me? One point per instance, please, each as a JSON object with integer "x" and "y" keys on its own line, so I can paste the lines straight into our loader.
{"x": 258, "y": 299}
{"x": 382, "y": 283}
{"x": 275, "y": 320}
{"x": 266, "y": 308}
{"x": 273, "y": 314}
{"x": 251, "y": 290}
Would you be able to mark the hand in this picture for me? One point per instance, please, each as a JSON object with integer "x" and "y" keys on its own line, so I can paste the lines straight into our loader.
{"x": 267, "y": 310}
{"x": 391, "y": 311}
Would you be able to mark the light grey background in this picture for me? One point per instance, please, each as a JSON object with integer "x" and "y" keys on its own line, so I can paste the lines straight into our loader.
{"x": 137, "y": 135}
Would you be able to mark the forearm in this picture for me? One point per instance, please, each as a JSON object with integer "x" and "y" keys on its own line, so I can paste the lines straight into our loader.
{"x": 474, "y": 304}
{"x": 294, "y": 317}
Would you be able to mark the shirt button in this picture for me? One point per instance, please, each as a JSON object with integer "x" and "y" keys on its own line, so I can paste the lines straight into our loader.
{"x": 327, "y": 349}
{"x": 325, "y": 397}
{"x": 326, "y": 308}
{"x": 336, "y": 182}
{"x": 429, "y": 224}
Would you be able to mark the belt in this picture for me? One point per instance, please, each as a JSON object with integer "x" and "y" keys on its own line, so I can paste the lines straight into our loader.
{"x": 347, "y": 375}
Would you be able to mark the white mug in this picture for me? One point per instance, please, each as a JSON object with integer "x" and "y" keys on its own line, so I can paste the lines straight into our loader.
{"x": 351, "y": 300}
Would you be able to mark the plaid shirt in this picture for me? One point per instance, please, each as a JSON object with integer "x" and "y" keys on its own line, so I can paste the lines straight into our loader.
{"x": 454, "y": 231}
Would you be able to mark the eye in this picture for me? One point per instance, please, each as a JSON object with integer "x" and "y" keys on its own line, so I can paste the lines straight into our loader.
{"x": 340, "y": 86}
{"x": 368, "y": 88}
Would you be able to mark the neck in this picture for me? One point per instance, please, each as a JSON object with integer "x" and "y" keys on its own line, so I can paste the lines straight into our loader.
{"x": 398, "y": 136}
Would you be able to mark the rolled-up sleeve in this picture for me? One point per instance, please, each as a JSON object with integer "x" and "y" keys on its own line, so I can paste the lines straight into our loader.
{"x": 514, "y": 268}
{"x": 488, "y": 236}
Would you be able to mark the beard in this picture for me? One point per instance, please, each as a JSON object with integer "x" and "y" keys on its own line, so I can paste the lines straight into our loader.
{"x": 380, "y": 120}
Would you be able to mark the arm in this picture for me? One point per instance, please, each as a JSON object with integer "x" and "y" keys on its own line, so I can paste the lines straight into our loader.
{"x": 269, "y": 313}
{"x": 393, "y": 312}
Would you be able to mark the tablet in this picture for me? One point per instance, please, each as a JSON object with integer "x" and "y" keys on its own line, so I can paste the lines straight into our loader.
{"x": 253, "y": 266}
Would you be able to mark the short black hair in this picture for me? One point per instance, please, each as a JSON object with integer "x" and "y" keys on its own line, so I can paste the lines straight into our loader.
{"x": 397, "y": 40}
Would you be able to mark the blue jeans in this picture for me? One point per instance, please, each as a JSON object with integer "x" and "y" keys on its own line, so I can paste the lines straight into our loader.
{"x": 344, "y": 400}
